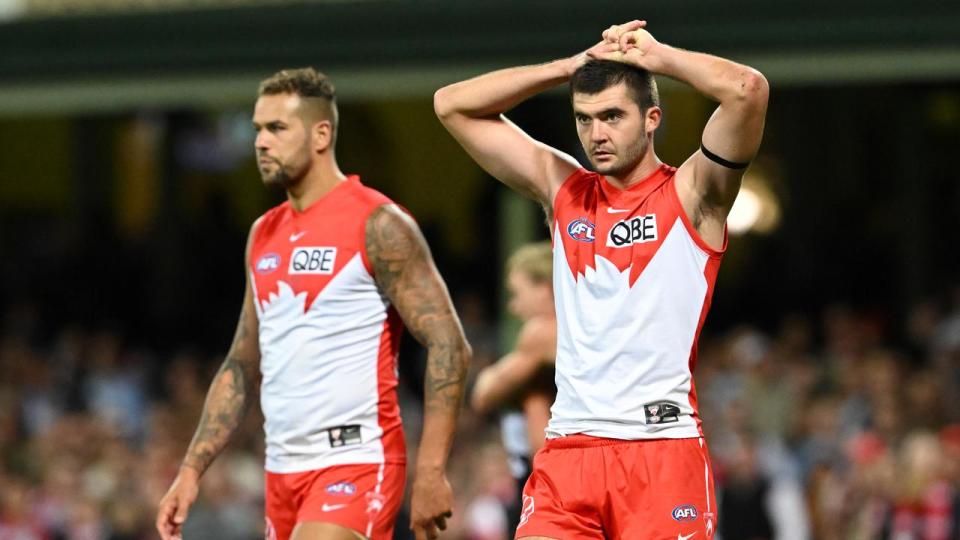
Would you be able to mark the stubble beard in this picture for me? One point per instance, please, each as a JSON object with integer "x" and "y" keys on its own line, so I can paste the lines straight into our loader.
{"x": 280, "y": 177}
{"x": 622, "y": 165}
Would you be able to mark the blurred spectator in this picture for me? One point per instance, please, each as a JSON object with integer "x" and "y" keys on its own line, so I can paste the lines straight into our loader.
{"x": 852, "y": 436}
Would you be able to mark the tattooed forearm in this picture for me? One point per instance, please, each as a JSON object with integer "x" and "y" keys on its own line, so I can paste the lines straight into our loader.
{"x": 405, "y": 272}
{"x": 227, "y": 402}
{"x": 229, "y": 397}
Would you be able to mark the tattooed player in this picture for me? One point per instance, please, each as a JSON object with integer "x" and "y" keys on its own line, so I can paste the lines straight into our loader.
{"x": 331, "y": 274}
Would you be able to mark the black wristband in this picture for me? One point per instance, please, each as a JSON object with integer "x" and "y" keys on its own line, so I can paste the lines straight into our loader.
{"x": 720, "y": 161}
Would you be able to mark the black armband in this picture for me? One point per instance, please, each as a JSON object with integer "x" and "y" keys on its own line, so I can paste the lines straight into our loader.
{"x": 720, "y": 161}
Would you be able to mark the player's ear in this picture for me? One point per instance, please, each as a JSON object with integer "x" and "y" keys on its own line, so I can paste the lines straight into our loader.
{"x": 322, "y": 135}
{"x": 652, "y": 117}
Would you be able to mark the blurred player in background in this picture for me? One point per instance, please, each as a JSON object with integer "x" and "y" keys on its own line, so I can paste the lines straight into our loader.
{"x": 637, "y": 247}
{"x": 524, "y": 378}
{"x": 331, "y": 272}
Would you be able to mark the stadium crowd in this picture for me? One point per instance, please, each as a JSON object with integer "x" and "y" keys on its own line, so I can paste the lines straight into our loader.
{"x": 840, "y": 425}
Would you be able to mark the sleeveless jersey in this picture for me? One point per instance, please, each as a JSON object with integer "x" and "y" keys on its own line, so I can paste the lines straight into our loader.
{"x": 328, "y": 336}
{"x": 632, "y": 282}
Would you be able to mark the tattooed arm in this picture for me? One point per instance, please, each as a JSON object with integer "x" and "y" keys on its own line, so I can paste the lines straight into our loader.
{"x": 231, "y": 393}
{"x": 405, "y": 272}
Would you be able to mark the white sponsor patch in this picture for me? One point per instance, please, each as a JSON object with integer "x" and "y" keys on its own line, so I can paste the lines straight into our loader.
{"x": 312, "y": 260}
{"x": 631, "y": 231}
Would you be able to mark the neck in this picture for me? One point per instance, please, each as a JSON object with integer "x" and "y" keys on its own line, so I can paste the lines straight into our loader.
{"x": 317, "y": 183}
{"x": 641, "y": 170}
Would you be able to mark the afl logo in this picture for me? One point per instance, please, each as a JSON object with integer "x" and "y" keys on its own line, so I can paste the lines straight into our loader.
{"x": 685, "y": 512}
{"x": 581, "y": 230}
{"x": 268, "y": 263}
{"x": 342, "y": 488}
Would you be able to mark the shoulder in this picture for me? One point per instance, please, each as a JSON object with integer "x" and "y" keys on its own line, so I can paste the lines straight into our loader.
{"x": 574, "y": 185}
{"x": 365, "y": 195}
{"x": 270, "y": 219}
{"x": 388, "y": 217}
{"x": 263, "y": 226}
{"x": 578, "y": 178}
{"x": 391, "y": 239}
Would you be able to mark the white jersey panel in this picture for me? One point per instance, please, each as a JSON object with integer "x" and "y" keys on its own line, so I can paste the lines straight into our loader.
{"x": 620, "y": 348}
{"x": 319, "y": 366}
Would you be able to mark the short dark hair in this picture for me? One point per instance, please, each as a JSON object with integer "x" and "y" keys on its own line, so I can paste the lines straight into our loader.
{"x": 307, "y": 83}
{"x": 304, "y": 82}
{"x": 596, "y": 76}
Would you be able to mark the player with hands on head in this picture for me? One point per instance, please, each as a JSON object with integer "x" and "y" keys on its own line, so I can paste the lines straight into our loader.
{"x": 637, "y": 246}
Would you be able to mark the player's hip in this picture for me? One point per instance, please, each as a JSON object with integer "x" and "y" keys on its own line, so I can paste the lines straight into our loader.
{"x": 593, "y": 487}
{"x": 364, "y": 497}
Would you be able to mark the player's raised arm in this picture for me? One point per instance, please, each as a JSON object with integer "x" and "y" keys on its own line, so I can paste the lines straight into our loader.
{"x": 709, "y": 181}
{"x": 233, "y": 389}
{"x": 405, "y": 272}
{"x": 473, "y": 112}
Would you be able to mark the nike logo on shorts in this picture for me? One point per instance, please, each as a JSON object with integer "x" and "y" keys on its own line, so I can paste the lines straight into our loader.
{"x": 331, "y": 507}
{"x": 687, "y": 537}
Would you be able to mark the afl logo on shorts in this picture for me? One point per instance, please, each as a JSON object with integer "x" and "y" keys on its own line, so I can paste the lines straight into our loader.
{"x": 341, "y": 488}
{"x": 685, "y": 512}
{"x": 581, "y": 230}
{"x": 268, "y": 263}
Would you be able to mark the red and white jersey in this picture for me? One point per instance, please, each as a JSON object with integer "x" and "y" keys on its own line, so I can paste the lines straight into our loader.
{"x": 633, "y": 282}
{"x": 328, "y": 336}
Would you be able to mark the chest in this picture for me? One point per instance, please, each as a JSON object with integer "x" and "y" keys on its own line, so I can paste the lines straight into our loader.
{"x": 305, "y": 253}
{"x": 625, "y": 230}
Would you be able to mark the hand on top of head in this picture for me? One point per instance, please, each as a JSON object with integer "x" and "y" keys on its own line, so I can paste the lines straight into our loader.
{"x": 616, "y": 31}
{"x": 627, "y": 42}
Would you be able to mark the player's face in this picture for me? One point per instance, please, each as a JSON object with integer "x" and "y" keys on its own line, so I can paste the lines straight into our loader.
{"x": 615, "y": 134}
{"x": 528, "y": 298}
{"x": 283, "y": 141}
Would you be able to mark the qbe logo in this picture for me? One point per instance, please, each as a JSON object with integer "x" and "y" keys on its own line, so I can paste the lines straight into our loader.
{"x": 268, "y": 263}
{"x": 312, "y": 260}
{"x": 581, "y": 230}
{"x": 633, "y": 231}
{"x": 685, "y": 512}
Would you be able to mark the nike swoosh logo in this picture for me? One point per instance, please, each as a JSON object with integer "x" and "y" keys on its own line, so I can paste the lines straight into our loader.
{"x": 685, "y": 537}
{"x": 331, "y": 507}
{"x": 616, "y": 211}
{"x": 297, "y": 236}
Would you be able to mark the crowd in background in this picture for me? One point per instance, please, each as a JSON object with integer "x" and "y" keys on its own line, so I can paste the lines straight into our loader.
{"x": 840, "y": 424}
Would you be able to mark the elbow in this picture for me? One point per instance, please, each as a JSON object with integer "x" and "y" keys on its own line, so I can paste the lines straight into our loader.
{"x": 480, "y": 400}
{"x": 442, "y": 105}
{"x": 753, "y": 88}
{"x": 465, "y": 351}
{"x": 479, "y": 403}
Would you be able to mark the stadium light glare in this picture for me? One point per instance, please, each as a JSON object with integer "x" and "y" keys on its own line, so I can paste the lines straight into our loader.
{"x": 757, "y": 208}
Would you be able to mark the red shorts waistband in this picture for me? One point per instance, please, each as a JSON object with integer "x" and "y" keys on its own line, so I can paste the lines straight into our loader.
{"x": 579, "y": 440}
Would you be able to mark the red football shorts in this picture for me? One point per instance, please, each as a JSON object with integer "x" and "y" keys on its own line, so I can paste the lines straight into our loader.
{"x": 364, "y": 497}
{"x": 588, "y": 487}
